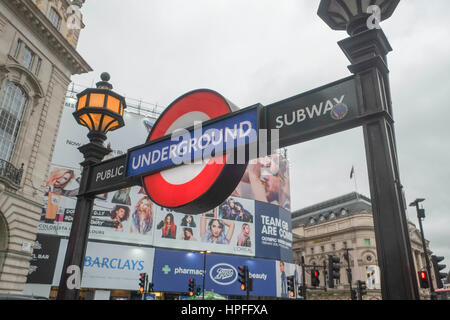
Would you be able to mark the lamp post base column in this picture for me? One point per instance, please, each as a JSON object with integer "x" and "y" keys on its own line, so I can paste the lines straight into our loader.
{"x": 70, "y": 281}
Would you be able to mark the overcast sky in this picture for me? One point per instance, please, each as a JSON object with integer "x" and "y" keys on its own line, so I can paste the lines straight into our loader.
{"x": 263, "y": 51}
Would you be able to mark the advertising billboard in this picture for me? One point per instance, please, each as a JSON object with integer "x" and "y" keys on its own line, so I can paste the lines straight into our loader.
{"x": 251, "y": 222}
{"x": 273, "y": 232}
{"x": 43, "y": 261}
{"x": 220, "y": 230}
{"x": 173, "y": 269}
{"x": 110, "y": 266}
{"x": 284, "y": 270}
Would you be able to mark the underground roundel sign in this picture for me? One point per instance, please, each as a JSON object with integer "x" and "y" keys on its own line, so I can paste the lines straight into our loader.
{"x": 193, "y": 187}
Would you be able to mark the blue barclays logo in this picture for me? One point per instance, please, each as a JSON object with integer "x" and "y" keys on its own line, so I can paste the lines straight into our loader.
{"x": 223, "y": 274}
{"x": 114, "y": 263}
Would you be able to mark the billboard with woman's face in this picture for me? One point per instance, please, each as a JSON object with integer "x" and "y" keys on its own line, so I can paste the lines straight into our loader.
{"x": 211, "y": 230}
{"x": 267, "y": 180}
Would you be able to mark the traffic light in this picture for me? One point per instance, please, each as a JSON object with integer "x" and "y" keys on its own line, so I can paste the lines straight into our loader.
{"x": 333, "y": 270}
{"x": 302, "y": 292}
{"x": 191, "y": 287}
{"x": 315, "y": 281}
{"x": 142, "y": 280}
{"x": 437, "y": 270}
{"x": 243, "y": 277}
{"x": 250, "y": 284}
{"x": 423, "y": 280}
{"x": 290, "y": 286}
{"x": 199, "y": 291}
{"x": 362, "y": 289}
{"x": 150, "y": 287}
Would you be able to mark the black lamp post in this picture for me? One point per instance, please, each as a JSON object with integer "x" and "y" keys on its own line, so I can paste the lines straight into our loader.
{"x": 420, "y": 217}
{"x": 349, "y": 271}
{"x": 204, "y": 269}
{"x": 100, "y": 110}
{"x": 367, "y": 48}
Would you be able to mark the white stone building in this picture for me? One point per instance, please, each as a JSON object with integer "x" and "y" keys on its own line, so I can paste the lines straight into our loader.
{"x": 38, "y": 40}
{"x": 346, "y": 222}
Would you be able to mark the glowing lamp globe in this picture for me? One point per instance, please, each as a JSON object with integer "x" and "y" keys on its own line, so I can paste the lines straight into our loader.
{"x": 100, "y": 109}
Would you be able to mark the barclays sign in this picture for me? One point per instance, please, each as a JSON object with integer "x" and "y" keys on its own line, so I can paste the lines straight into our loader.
{"x": 223, "y": 274}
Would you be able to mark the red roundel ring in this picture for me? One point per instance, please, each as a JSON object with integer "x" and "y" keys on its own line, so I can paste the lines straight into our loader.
{"x": 192, "y": 188}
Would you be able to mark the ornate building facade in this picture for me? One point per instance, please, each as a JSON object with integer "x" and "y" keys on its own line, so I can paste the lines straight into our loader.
{"x": 339, "y": 226}
{"x": 38, "y": 40}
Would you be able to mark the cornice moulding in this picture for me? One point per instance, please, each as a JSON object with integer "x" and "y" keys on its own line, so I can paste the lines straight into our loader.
{"x": 40, "y": 24}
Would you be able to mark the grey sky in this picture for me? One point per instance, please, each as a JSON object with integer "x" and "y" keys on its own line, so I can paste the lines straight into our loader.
{"x": 265, "y": 51}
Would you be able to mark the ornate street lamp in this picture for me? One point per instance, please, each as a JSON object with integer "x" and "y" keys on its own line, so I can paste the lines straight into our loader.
{"x": 100, "y": 110}
{"x": 351, "y": 15}
{"x": 367, "y": 49}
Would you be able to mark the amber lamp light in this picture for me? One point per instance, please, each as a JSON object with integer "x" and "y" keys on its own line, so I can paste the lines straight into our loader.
{"x": 100, "y": 110}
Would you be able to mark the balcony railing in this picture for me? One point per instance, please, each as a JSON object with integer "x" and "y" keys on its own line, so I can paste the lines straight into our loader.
{"x": 10, "y": 173}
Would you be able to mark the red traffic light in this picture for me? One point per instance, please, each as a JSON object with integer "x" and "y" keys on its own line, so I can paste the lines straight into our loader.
{"x": 423, "y": 280}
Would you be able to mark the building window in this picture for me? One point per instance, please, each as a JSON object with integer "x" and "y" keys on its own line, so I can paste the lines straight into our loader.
{"x": 367, "y": 242}
{"x": 322, "y": 248}
{"x": 17, "y": 49}
{"x": 55, "y": 18}
{"x": 312, "y": 250}
{"x": 37, "y": 66}
{"x": 333, "y": 246}
{"x": 27, "y": 57}
{"x": 12, "y": 105}
{"x": 344, "y": 244}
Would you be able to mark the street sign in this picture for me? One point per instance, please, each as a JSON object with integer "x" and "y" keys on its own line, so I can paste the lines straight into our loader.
{"x": 318, "y": 112}
{"x": 202, "y": 162}
{"x": 108, "y": 175}
{"x": 213, "y": 138}
{"x": 202, "y": 186}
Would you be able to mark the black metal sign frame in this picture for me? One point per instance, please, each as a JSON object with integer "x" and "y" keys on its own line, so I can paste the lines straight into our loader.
{"x": 370, "y": 107}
